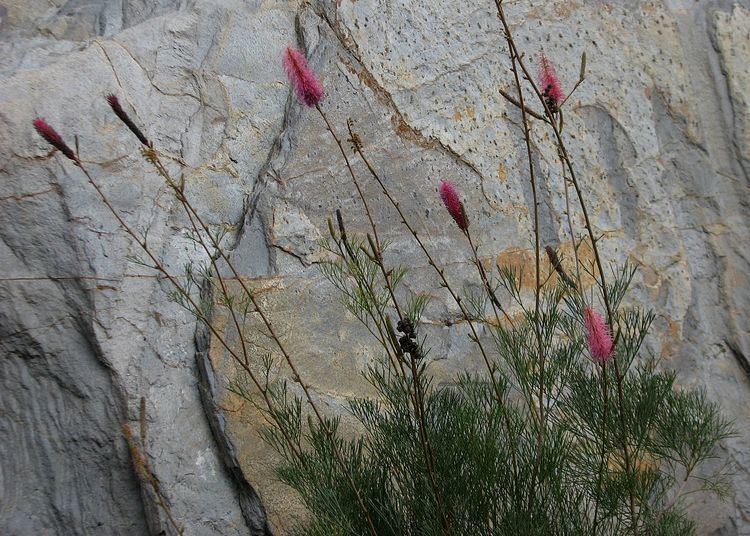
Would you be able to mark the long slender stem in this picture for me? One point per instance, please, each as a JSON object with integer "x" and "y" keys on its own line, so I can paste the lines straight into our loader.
{"x": 181, "y": 290}
{"x": 206, "y": 321}
{"x": 365, "y": 204}
{"x": 431, "y": 262}
{"x": 605, "y": 388}
{"x": 497, "y": 307}
{"x": 298, "y": 379}
{"x": 619, "y": 376}
{"x": 379, "y": 253}
{"x": 569, "y": 219}
{"x": 600, "y": 472}
{"x": 224, "y": 290}
{"x": 537, "y": 288}
{"x": 345, "y": 250}
{"x": 425, "y": 444}
{"x": 417, "y": 397}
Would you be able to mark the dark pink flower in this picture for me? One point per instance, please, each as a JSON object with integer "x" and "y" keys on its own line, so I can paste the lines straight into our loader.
{"x": 54, "y": 139}
{"x": 453, "y": 204}
{"x": 114, "y": 103}
{"x": 598, "y": 336}
{"x": 306, "y": 84}
{"x": 550, "y": 84}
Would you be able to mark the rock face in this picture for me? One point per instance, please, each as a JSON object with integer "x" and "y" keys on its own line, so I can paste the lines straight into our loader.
{"x": 659, "y": 132}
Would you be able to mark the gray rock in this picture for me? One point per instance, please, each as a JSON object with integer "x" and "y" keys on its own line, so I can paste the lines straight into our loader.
{"x": 659, "y": 132}
{"x": 85, "y": 333}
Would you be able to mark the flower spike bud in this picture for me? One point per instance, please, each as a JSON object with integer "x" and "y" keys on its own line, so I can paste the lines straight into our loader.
{"x": 340, "y": 222}
{"x": 598, "y": 336}
{"x": 331, "y": 230}
{"x": 582, "y": 71}
{"x": 554, "y": 260}
{"x": 304, "y": 80}
{"x": 54, "y": 139}
{"x": 452, "y": 202}
{"x": 550, "y": 84}
{"x": 114, "y": 103}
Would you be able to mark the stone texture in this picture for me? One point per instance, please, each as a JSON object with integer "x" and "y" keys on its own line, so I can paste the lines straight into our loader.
{"x": 85, "y": 333}
{"x": 659, "y": 134}
{"x": 653, "y": 131}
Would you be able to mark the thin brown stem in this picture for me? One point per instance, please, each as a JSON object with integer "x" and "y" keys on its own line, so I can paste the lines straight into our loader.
{"x": 517, "y": 104}
{"x": 497, "y": 307}
{"x": 537, "y": 254}
{"x": 361, "y": 196}
{"x": 379, "y": 253}
{"x": 378, "y": 320}
{"x": 597, "y": 257}
{"x": 619, "y": 375}
{"x": 427, "y": 449}
{"x": 194, "y": 307}
{"x": 298, "y": 379}
{"x": 391, "y": 346}
{"x": 600, "y": 472}
{"x": 378, "y": 257}
{"x": 569, "y": 219}
{"x": 431, "y": 262}
{"x": 418, "y": 400}
{"x": 207, "y": 322}
{"x": 678, "y": 493}
{"x": 219, "y": 277}
{"x": 143, "y": 425}
{"x": 576, "y": 86}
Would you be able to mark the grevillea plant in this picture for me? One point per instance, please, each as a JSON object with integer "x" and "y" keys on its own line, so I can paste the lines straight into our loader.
{"x": 568, "y": 430}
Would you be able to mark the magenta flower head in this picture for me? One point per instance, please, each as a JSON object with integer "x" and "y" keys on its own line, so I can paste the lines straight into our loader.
{"x": 452, "y": 202}
{"x": 598, "y": 336}
{"x": 550, "y": 84}
{"x": 54, "y": 139}
{"x": 114, "y": 103}
{"x": 304, "y": 80}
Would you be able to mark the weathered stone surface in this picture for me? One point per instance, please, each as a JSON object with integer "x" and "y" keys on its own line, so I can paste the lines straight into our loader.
{"x": 85, "y": 333}
{"x": 659, "y": 134}
{"x": 653, "y": 132}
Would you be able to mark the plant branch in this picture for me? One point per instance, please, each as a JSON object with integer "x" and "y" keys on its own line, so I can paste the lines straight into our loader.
{"x": 378, "y": 258}
{"x": 153, "y": 156}
{"x": 605, "y": 294}
{"x": 431, "y": 262}
{"x": 537, "y": 278}
{"x": 517, "y": 104}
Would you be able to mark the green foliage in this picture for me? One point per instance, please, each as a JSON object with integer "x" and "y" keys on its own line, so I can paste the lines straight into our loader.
{"x": 545, "y": 442}
{"x": 492, "y": 459}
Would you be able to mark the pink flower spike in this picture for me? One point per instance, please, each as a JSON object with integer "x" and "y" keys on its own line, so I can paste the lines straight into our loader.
{"x": 304, "y": 80}
{"x": 452, "y": 202}
{"x": 550, "y": 84}
{"x": 54, "y": 139}
{"x": 598, "y": 336}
